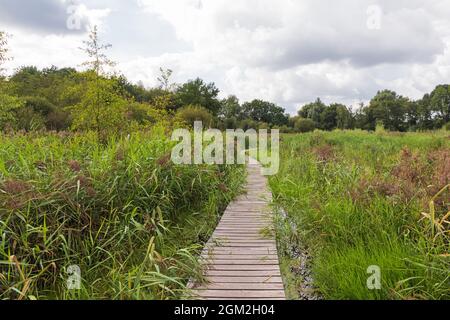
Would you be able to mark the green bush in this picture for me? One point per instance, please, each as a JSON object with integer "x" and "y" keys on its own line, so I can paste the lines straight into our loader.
{"x": 447, "y": 126}
{"x": 192, "y": 113}
{"x": 305, "y": 125}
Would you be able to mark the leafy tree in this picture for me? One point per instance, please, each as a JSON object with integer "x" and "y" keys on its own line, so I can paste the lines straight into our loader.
{"x": 101, "y": 100}
{"x": 344, "y": 117}
{"x": 328, "y": 118}
{"x": 197, "y": 92}
{"x": 313, "y": 111}
{"x": 364, "y": 118}
{"x": 263, "y": 111}
{"x": 106, "y": 115}
{"x": 440, "y": 104}
{"x": 390, "y": 109}
{"x": 230, "y": 108}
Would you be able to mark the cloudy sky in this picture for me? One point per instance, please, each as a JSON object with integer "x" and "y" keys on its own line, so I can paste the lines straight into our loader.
{"x": 286, "y": 51}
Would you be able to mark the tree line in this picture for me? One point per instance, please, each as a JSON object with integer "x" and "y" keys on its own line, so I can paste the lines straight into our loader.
{"x": 97, "y": 99}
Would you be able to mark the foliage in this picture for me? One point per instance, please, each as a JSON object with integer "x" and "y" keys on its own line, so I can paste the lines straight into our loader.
{"x": 8, "y": 107}
{"x": 190, "y": 114}
{"x": 3, "y": 50}
{"x": 304, "y": 125}
{"x": 263, "y": 111}
{"x": 130, "y": 219}
{"x": 355, "y": 199}
{"x": 197, "y": 92}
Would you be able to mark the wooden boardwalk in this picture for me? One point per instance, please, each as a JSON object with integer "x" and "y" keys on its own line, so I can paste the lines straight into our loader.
{"x": 240, "y": 260}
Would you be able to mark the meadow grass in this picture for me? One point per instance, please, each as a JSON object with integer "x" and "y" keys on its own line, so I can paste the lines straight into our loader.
{"x": 355, "y": 199}
{"x": 122, "y": 211}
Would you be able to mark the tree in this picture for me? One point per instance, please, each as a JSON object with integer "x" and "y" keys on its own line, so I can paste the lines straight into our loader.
{"x": 96, "y": 52}
{"x": 440, "y": 104}
{"x": 344, "y": 117}
{"x": 164, "y": 80}
{"x": 3, "y": 50}
{"x": 263, "y": 111}
{"x": 328, "y": 118}
{"x": 390, "y": 109}
{"x": 101, "y": 97}
{"x": 197, "y": 92}
{"x": 230, "y": 108}
{"x": 313, "y": 111}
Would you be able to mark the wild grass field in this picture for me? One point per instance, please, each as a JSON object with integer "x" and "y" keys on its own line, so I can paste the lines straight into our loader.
{"x": 355, "y": 199}
{"x": 131, "y": 220}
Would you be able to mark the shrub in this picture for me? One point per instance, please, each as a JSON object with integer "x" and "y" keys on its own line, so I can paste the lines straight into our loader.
{"x": 192, "y": 113}
{"x": 39, "y": 105}
{"x": 8, "y": 107}
{"x": 305, "y": 125}
{"x": 447, "y": 126}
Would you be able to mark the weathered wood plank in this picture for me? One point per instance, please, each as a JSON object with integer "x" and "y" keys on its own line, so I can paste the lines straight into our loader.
{"x": 248, "y": 294}
{"x": 217, "y": 279}
{"x": 249, "y": 273}
{"x": 242, "y": 286}
{"x": 240, "y": 260}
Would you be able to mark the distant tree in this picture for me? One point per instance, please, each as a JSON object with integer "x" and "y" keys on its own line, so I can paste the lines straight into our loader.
{"x": 3, "y": 50}
{"x": 364, "y": 118}
{"x": 313, "y": 111}
{"x": 164, "y": 80}
{"x": 230, "y": 108}
{"x": 197, "y": 92}
{"x": 101, "y": 96}
{"x": 328, "y": 118}
{"x": 424, "y": 113}
{"x": 95, "y": 50}
{"x": 390, "y": 110}
{"x": 440, "y": 104}
{"x": 344, "y": 117}
{"x": 263, "y": 111}
{"x": 8, "y": 104}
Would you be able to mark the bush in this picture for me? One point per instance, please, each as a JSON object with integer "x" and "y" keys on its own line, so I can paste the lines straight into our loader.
{"x": 248, "y": 124}
{"x": 39, "y": 105}
{"x": 447, "y": 126}
{"x": 305, "y": 125}
{"x": 192, "y": 113}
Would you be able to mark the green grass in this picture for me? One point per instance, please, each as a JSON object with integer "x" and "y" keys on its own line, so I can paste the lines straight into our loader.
{"x": 131, "y": 220}
{"x": 356, "y": 199}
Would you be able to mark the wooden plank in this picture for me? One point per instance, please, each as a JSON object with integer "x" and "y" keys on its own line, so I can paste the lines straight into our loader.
{"x": 241, "y": 257}
{"x": 216, "y": 279}
{"x": 240, "y": 261}
{"x": 241, "y": 286}
{"x": 249, "y": 273}
{"x": 258, "y": 262}
{"x": 248, "y": 294}
{"x": 243, "y": 267}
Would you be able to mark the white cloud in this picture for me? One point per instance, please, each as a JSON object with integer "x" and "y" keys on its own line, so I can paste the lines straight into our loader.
{"x": 286, "y": 51}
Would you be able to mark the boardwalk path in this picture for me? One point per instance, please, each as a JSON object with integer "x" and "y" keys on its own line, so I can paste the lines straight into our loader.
{"x": 241, "y": 260}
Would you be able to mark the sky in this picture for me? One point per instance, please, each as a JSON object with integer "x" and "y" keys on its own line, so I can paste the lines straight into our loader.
{"x": 286, "y": 51}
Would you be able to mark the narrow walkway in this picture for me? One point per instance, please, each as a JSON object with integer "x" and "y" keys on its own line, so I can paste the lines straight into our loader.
{"x": 241, "y": 260}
